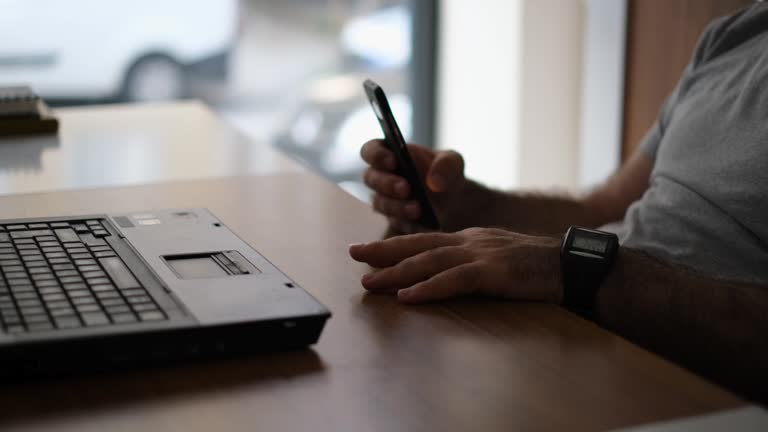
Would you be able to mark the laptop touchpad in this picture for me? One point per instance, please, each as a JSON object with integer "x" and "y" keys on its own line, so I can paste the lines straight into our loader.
{"x": 210, "y": 265}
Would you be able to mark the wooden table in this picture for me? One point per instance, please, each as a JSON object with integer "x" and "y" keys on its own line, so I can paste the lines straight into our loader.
{"x": 473, "y": 365}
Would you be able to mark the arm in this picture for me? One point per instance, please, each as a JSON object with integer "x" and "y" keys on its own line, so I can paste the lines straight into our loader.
{"x": 461, "y": 203}
{"x": 550, "y": 214}
{"x": 716, "y": 328}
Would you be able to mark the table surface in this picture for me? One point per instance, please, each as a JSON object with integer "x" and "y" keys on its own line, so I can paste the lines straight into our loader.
{"x": 118, "y": 145}
{"x": 467, "y": 364}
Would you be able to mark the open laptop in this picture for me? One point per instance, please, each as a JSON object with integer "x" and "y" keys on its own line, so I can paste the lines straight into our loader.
{"x": 103, "y": 291}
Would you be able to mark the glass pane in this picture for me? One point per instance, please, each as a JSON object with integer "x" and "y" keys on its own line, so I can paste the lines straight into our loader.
{"x": 286, "y": 71}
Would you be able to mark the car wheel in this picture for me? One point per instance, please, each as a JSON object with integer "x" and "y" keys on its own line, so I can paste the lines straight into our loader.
{"x": 154, "y": 78}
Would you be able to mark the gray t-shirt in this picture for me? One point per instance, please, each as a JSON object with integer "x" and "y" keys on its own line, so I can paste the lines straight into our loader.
{"x": 707, "y": 205}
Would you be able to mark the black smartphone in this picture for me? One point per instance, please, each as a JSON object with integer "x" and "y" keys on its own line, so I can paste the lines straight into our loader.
{"x": 396, "y": 144}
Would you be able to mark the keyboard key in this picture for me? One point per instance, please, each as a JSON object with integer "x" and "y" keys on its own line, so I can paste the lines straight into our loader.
{"x": 66, "y": 273}
{"x": 98, "y": 281}
{"x": 83, "y": 300}
{"x": 26, "y": 303}
{"x": 30, "y": 234}
{"x": 4, "y": 237}
{"x": 117, "y": 309}
{"x": 63, "y": 267}
{"x": 57, "y": 304}
{"x": 95, "y": 318}
{"x": 54, "y": 297}
{"x": 119, "y": 273}
{"x": 50, "y": 290}
{"x": 42, "y": 277}
{"x": 90, "y": 240}
{"x": 102, "y": 288}
{"x": 104, "y": 254}
{"x": 93, "y": 274}
{"x": 16, "y": 275}
{"x": 93, "y": 222}
{"x": 103, "y": 248}
{"x": 15, "y": 227}
{"x": 151, "y": 316}
{"x": 64, "y": 311}
{"x": 84, "y": 262}
{"x": 50, "y": 238}
{"x": 39, "y": 270}
{"x": 139, "y": 299}
{"x": 107, "y": 295}
{"x": 49, "y": 244}
{"x": 8, "y": 256}
{"x": 70, "y": 287}
{"x": 77, "y": 250}
{"x": 67, "y": 235}
{"x": 24, "y": 241}
{"x": 60, "y": 225}
{"x": 23, "y": 247}
{"x": 133, "y": 292}
{"x": 123, "y": 318}
{"x": 15, "y": 329}
{"x": 71, "y": 279}
{"x": 10, "y": 262}
{"x": 79, "y": 293}
{"x": 59, "y": 261}
{"x": 42, "y": 318}
{"x": 51, "y": 249}
{"x": 73, "y": 245}
{"x": 88, "y": 308}
{"x": 144, "y": 307}
{"x": 88, "y": 268}
{"x": 41, "y": 326}
{"x": 100, "y": 233}
{"x": 66, "y": 322}
{"x": 25, "y": 295}
{"x": 50, "y": 255}
{"x": 113, "y": 302}
{"x": 12, "y": 268}
{"x": 37, "y": 226}
{"x": 81, "y": 228}
{"x": 37, "y": 263}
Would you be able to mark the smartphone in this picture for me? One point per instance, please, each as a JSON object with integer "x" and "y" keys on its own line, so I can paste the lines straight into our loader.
{"x": 394, "y": 141}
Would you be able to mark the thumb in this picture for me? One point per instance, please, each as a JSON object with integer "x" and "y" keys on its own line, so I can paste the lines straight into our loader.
{"x": 446, "y": 170}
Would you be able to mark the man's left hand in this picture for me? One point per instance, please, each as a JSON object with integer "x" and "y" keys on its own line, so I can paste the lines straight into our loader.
{"x": 435, "y": 266}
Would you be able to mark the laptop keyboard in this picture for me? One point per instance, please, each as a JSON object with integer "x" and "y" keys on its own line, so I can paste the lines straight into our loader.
{"x": 64, "y": 275}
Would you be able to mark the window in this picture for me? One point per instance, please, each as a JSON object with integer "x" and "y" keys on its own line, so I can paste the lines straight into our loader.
{"x": 285, "y": 71}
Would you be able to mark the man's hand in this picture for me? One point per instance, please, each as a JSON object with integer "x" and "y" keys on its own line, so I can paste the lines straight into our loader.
{"x": 435, "y": 266}
{"x": 443, "y": 172}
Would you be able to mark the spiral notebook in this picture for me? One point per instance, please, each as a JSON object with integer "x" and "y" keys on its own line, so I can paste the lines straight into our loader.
{"x": 23, "y": 112}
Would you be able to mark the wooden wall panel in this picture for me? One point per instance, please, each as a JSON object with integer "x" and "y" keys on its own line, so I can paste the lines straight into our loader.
{"x": 661, "y": 36}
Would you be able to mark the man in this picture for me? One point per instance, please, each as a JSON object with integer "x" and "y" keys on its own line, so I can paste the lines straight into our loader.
{"x": 690, "y": 280}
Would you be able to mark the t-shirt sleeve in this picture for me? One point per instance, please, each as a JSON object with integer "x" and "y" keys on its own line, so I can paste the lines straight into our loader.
{"x": 650, "y": 143}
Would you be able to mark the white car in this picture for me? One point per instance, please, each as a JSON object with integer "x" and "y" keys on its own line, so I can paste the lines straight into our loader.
{"x": 131, "y": 50}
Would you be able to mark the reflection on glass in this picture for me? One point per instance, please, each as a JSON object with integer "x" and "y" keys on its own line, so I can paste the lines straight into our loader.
{"x": 285, "y": 71}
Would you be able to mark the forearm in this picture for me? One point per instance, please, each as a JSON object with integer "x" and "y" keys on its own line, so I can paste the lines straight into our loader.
{"x": 715, "y": 328}
{"x": 525, "y": 212}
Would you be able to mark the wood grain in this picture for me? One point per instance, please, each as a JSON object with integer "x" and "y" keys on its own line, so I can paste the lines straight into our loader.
{"x": 661, "y": 37}
{"x": 472, "y": 365}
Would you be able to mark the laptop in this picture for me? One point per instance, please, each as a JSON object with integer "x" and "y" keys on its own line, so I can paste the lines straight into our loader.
{"x": 100, "y": 292}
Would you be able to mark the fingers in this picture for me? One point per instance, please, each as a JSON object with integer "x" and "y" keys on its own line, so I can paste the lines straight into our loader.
{"x": 396, "y": 208}
{"x": 376, "y": 154}
{"x": 446, "y": 170}
{"x": 387, "y": 184}
{"x": 415, "y": 269}
{"x": 454, "y": 282}
{"x": 386, "y": 253}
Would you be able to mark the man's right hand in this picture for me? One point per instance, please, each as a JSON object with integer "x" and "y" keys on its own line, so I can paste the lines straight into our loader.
{"x": 443, "y": 172}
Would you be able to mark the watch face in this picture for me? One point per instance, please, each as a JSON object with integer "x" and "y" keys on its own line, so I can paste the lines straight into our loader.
{"x": 591, "y": 244}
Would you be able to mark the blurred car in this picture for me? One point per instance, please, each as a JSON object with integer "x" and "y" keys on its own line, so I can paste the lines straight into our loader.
{"x": 135, "y": 50}
{"x": 328, "y": 127}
